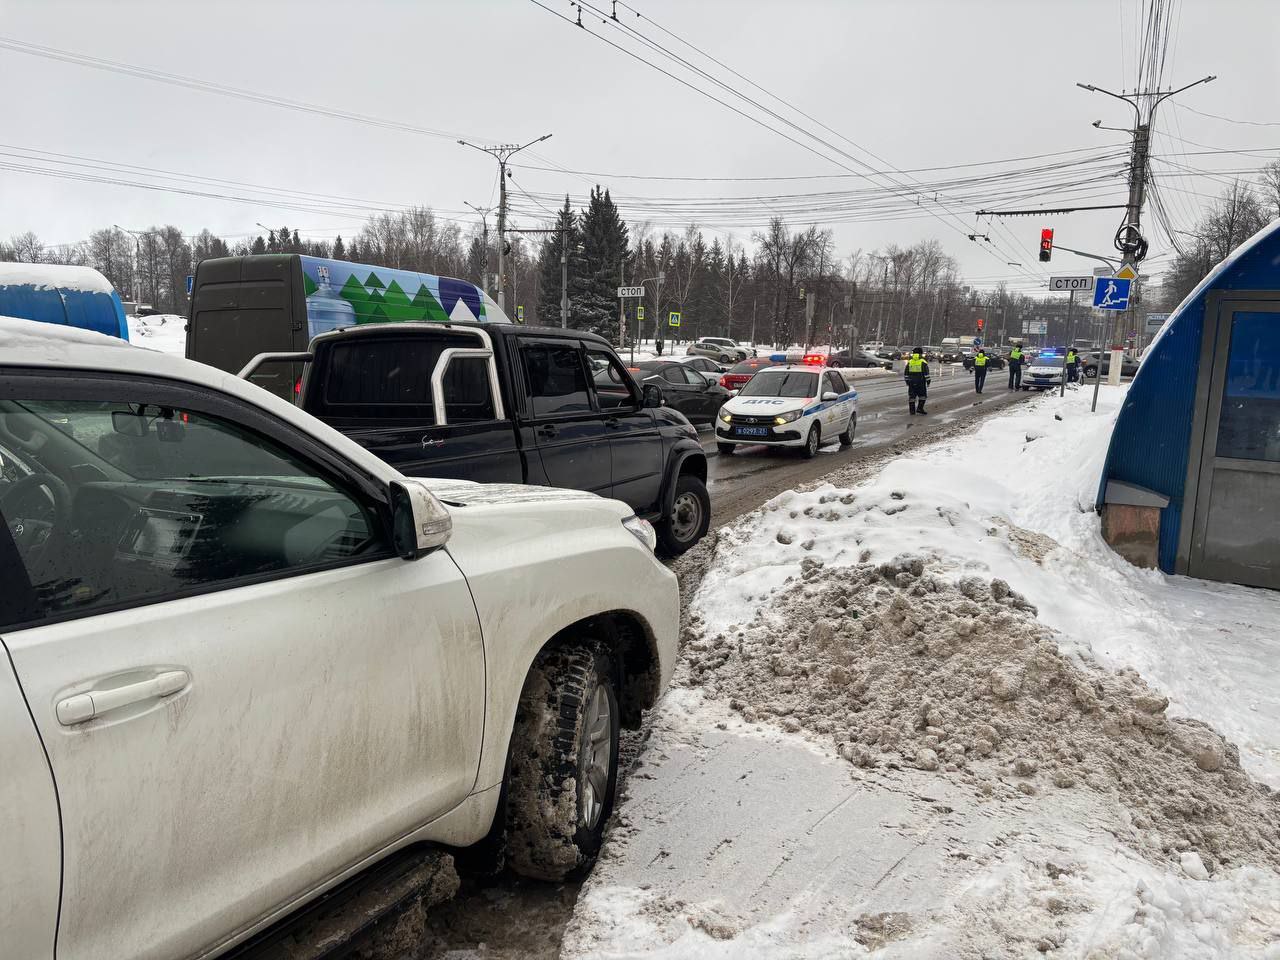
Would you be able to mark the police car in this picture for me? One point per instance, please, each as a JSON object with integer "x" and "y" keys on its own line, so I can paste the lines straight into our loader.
{"x": 1045, "y": 370}
{"x": 791, "y": 405}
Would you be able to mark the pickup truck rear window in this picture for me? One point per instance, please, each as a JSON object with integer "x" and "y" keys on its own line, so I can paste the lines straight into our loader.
{"x": 390, "y": 378}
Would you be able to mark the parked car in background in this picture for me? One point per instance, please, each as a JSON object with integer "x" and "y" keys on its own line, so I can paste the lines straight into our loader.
{"x": 247, "y": 660}
{"x": 682, "y": 388}
{"x": 1089, "y": 365}
{"x": 709, "y": 368}
{"x": 859, "y": 358}
{"x": 744, "y": 371}
{"x": 719, "y": 348}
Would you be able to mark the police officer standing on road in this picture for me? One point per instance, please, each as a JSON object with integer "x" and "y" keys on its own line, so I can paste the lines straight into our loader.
{"x": 1015, "y": 368}
{"x": 916, "y": 373}
{"x": 979, "y": 369}
{"x": 1073, "y": 366}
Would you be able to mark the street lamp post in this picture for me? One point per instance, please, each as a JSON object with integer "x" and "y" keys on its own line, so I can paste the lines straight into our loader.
{"x": 137, "y": 258}
{"x": 503, "y": 153}
{"x": 484, "y": 240}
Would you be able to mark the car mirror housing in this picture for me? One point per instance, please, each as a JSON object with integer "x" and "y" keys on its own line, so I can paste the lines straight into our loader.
{"x": 420, "y": 523}
{"x": 829, "y": 396}
{"x": 652, "y": 395}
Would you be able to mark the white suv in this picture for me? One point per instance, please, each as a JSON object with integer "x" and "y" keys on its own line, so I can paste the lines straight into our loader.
{"x": 245, "y": 659}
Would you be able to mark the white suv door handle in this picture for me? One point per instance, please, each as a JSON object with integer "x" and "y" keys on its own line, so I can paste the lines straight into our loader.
{"x": 86, "y": 706}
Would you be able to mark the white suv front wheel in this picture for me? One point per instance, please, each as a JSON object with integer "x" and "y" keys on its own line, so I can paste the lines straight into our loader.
{"x": 564, "y": 762}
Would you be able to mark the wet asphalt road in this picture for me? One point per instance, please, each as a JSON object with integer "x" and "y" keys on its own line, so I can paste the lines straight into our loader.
{"x": 741, "y": 482}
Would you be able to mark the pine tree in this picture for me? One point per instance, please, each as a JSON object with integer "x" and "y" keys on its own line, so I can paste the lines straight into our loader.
{"x": 566, "y": 227}
{"x": 259, "y": 246}
{"x": 339, "y": 251}
{"x": 604, "y": 245}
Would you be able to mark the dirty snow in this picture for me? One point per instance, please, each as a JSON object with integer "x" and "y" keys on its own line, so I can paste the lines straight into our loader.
{"x": 912, "y": 726}
{"x": 164, "y": 332}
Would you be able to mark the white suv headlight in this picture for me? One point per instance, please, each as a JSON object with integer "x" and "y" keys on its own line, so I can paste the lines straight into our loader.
{"x": 642, "y": 530}
{"x": 791, "y": 417}
{"x": 725, "y": 416}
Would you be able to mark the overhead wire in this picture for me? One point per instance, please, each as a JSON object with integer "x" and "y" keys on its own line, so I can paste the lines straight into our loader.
{"x": 831, "y": 148}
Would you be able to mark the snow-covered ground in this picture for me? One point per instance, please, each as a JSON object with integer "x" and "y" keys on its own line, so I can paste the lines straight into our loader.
{"x": 164, "y": 332}
{"x": 926, "y": 716}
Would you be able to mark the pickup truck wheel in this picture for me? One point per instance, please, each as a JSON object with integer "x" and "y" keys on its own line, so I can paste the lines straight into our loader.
{"x": 812, "y": 443}
{"x": 687, "y": 521}
{"x": 564, "y": 763}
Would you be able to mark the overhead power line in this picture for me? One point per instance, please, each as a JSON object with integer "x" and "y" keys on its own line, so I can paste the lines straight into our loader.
{"x": 219, "y": 89}
{"x": 936, "y": 207}
{"x": 1214, "y": 116}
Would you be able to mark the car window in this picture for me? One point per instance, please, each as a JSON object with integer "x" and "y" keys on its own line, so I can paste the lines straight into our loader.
{"x": 673, "y": 374}
{"x": 781, "y": 383}
{"x": 556, "y": 378}
{"x": 389, "y": 378}
{"x": 468, "y": 393}
{"x": 838, "y": 383}
{"x": 692, "y": 377}
{"x": 613, "y": 386}
{"x": 143, "y": 503}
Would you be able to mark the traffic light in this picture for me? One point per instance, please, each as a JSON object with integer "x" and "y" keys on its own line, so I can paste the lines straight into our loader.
{"x": 980, "y": 323}
{"x": 1046, "y": 244}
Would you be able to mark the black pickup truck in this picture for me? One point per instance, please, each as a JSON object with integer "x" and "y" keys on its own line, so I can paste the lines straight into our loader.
{"x": 503, "y": 402}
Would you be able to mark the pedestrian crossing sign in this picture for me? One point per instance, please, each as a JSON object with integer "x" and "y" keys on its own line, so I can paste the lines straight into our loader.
{"x": 1111, "y": 293}
{"x": 673, "y": 319}
{"x": 519, "y": 314}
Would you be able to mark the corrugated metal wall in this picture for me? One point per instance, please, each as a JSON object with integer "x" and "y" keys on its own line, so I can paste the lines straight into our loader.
{"x": 1152, "y": 435}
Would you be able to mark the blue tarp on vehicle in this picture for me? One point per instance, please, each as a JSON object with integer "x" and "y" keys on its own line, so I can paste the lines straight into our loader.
{"x": 70, "y": 296}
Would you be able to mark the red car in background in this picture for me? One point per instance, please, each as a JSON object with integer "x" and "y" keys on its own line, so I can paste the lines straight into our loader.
{"x": 742, "y": 372}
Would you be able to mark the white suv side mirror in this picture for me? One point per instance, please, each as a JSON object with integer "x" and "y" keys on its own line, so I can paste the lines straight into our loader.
{"x": 420, "y": 523}
{"x": 829, "y": 396}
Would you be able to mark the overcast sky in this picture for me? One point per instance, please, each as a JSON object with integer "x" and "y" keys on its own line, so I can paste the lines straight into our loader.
{"x": 919, "y": 84}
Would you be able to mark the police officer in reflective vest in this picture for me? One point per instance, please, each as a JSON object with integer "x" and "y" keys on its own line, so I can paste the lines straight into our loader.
{"x": 979, "y": 369}
{"x": 1015, "y": 368}
{"x": 916, "y": 373}
{"x": 1073, "y": 366}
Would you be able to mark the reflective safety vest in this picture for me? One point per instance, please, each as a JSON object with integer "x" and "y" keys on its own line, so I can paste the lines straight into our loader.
{"x": 1015, "y": 354}
{"x": 1071, "y": 357}
{"x": 915, "y": 364}
{"x": 980, "y": 360}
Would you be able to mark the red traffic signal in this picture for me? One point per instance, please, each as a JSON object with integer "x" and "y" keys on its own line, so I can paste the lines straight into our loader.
{"x": 980, "y": 323}
{"x": 1046, "y": 244}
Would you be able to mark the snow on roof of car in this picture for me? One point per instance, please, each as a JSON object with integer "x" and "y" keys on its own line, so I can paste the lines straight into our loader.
{"x": 50, "y": 276}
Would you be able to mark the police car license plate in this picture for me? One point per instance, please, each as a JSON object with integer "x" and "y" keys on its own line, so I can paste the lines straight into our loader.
{"x": 751, "y": 431}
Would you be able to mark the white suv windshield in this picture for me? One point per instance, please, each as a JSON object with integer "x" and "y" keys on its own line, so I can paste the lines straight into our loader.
{"x": 782, "y": 383}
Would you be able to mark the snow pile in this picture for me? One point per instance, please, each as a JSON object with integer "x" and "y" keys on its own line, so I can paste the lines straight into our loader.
{"x": 934, "y": 715}
{"x": 1014, "y": 501}
{"x": 165, "y": 332}
{"x": 899, "y": 666}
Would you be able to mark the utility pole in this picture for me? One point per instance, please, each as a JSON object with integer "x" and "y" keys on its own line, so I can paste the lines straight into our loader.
{"x": 484, "y": 239}
{"x": 1129, "y": 240}
{"x": 137, "y": 258}
{"x": 503, "y": 153}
